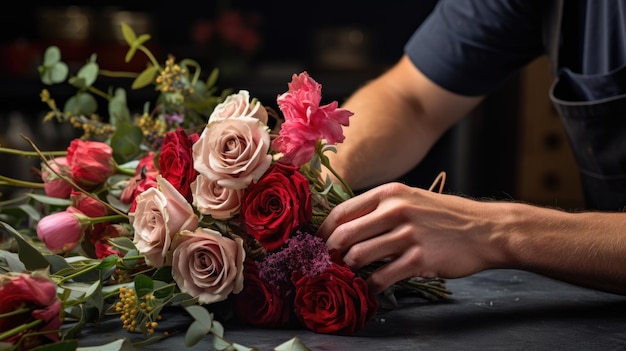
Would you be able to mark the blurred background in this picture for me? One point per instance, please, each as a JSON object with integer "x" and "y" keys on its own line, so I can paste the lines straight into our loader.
{"x": 511, "y": 147}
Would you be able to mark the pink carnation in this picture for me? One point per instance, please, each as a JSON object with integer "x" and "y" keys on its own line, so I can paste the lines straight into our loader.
{"x": 306, "y": 121}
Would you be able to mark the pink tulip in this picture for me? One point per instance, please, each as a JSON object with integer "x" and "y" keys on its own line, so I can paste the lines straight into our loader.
{"x": 61, "y": 232}
{"x": 91, "y": 162}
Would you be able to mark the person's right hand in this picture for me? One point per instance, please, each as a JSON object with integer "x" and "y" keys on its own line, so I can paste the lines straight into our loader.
{"x": 423, "y": 233}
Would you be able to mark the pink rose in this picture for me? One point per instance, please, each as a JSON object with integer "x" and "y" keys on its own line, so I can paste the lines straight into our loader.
{"x": 38, "y": 294}
{"x": 233, "y": 151}
{"x": 306, "y": 121}
{"x": 160, "y": 213}
{"x": 238, "y": 105}
{"x": 208, "y": 265}
{"x": 90, "y": 162}
{"x": 209, "y": 198}
{"x": 53, "y": 185}
{"x": 61, "y": 232}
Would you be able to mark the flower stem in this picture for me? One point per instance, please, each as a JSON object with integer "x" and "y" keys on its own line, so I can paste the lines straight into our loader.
{"x": 19, "y": 183}
{"x": 19, "y": 329}
{"x": 6, "y": 150}
{"x": 111, "y": 218}
{"x": 14, "y": 313}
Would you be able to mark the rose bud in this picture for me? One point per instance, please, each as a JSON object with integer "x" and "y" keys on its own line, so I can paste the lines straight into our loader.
{"x": 90, "y": 162}
{"x": 53, "y": 185}
{"x": 61, "y": 232}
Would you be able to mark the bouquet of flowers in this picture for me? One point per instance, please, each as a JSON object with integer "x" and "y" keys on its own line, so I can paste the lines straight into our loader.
{"x": 208, "y": 201}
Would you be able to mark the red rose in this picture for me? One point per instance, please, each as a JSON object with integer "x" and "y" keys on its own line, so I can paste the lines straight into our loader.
{"x": 144, "y": 179}
{"x": 176, "y": 161}
{"x": 336, "y": 301}
{"x": 90, "y": 162}
{"x": 261, "y": 303}
{"x": 276, "y": 205}
{"x": 38, "y": 295}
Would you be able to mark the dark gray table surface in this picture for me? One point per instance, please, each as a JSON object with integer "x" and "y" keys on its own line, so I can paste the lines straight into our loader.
{"x": 492, "y": 310}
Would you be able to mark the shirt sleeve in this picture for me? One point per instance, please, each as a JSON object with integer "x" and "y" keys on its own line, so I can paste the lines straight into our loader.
{"x": 470, "y": 47}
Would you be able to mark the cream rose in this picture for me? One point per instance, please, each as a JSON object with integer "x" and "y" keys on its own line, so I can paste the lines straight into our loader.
{"x": 208, "y": 265}
{"x": 233, "y": 152}
{"x": 160, "y": 214}
{"x": 210, "y": 198}
{"x": 238, "y": 105}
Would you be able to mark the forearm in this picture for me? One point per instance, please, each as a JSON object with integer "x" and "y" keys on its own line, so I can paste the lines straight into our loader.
{"x": 397, "y": 118}
{"x": 581, "y": 248}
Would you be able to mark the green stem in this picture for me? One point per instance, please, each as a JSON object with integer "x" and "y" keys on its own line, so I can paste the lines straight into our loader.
{"x": 19, "y": 183}
{"x": 19, "y": 329}
{"x": 88, "y": 269}
{"x": 343, "y": 182}
{"x": 111, "y": 218}
{"x": 6, "y": 150}
{"x": 116, "y": 74}
{"x": 124, "y": 171}
{"x": 148, "y": 53}
{"x": 15, "y": 313}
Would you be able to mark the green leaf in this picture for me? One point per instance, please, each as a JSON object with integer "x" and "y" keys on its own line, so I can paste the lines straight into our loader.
{"x": 294, "y": 344}
{"x": 128, "y": 33}
{"x": 212, "y": 80}
{"x": 57, "y": 73}
{"x": 10, "y": 262}
{"x": 117, "y": 345}
{"x": 144, "y": 285}
{"x": 29, "y": 255}
{"x": 89, "y": 73}
{"x": 49, "y": 200}
{"x": 64, "y": 345}
{"x": 201, "y": 315}
{"x": 82, "y": 103}
{"x": 126, "y": 142}
{"x": 196, "y": 332}
{"x": 118, "y": 108}
{"x": 51, "y": 56}
{"x": 145, "y": 78}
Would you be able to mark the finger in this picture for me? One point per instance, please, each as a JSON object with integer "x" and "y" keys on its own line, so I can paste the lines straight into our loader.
{"x": 387, "y": 245}
{"x": 397, "y": 269}
{"x": 345, "y": 212}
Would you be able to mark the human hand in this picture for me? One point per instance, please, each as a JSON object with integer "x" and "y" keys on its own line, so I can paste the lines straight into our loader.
{"x": 423, "y": 233}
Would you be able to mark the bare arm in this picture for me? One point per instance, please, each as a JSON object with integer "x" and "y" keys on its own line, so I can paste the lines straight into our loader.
{"x": 397, "y": 118}
{"x": 429, "y": 234}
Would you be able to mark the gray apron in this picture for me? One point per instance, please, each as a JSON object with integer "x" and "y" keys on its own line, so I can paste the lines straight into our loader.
{"x": 593, "y": 111}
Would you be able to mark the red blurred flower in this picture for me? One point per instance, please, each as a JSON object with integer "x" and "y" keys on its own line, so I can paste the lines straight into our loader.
{"x": 176, "y": 161}
{"x": 261, "y": 303}
{"x": 90, "y": 162}
{"x": 37, "y": 296}
{"x": 275, "y": 206}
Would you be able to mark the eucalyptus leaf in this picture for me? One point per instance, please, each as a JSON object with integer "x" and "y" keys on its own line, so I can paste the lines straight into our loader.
{"x": 89, "y": 73}
{"x": 51, "y": 56}
{"x": 294, "y": 344}
{"x": 29, "y": 255}
{"x": 201, "y": 315}
{"x": 118, "y": 108}
{"x": 125, "y": 142}
{"x": 128, "y": 33}
{"x": 196, "y": 332}
{"x": 82, "y": 103}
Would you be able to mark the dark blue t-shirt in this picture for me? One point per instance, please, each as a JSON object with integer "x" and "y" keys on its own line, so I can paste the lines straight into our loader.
{"x": 471, "y": 46}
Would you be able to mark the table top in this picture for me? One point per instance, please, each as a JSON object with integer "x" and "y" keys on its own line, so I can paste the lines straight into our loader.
{"x": 492, "y": 310}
